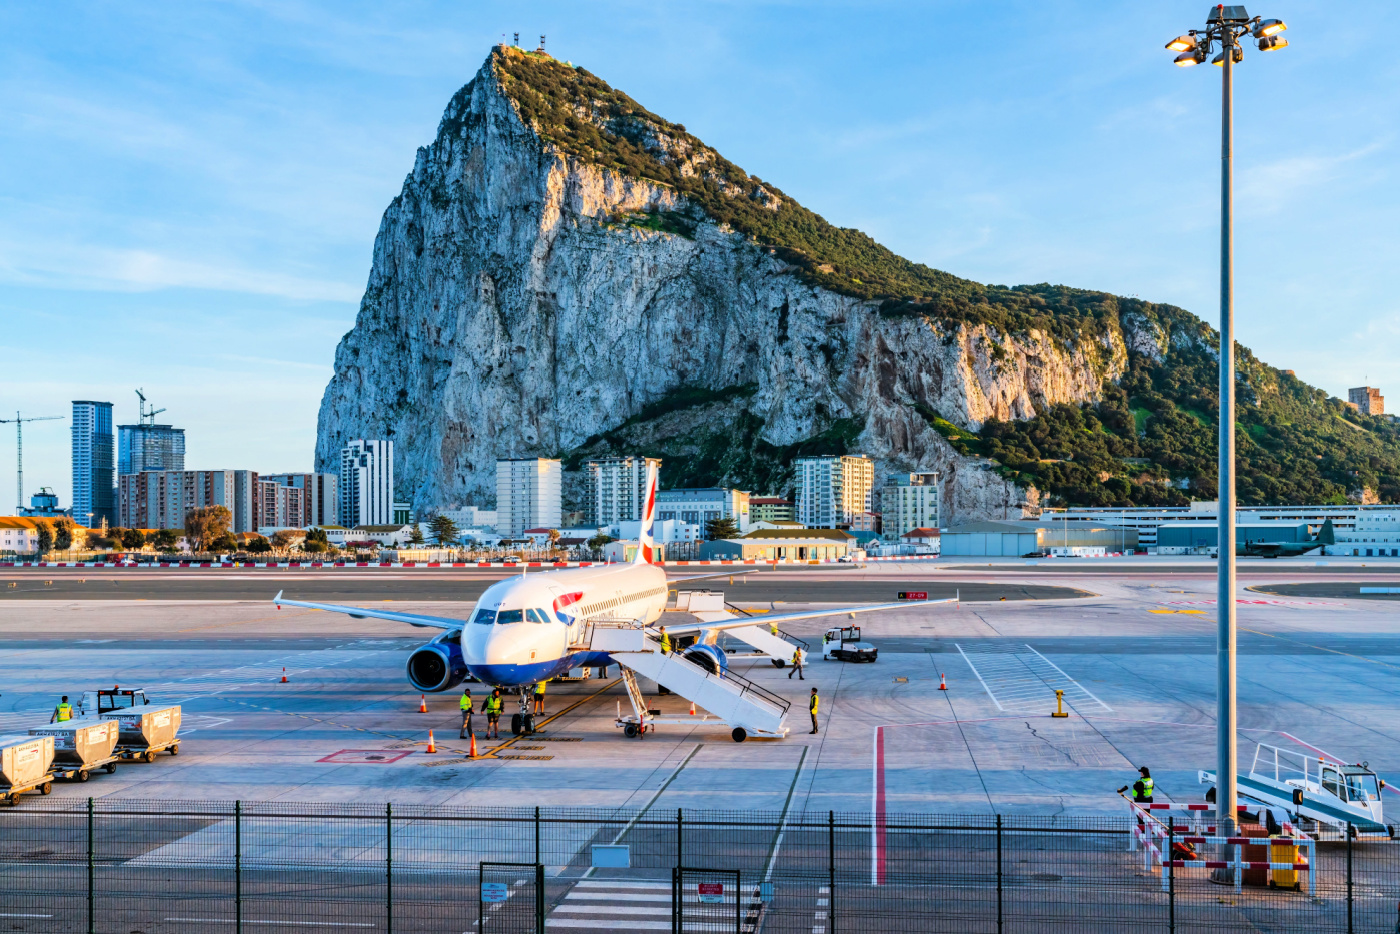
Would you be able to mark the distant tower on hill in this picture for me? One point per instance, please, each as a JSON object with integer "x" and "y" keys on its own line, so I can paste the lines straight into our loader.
{"x": 541, "y": 48}
{"x": 1367, "y": 399}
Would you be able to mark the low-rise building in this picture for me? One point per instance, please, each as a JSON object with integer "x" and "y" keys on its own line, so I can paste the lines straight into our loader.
{"x": 1012, "y": 539}
{"x": 663, "y": 531}
{"x": 782, "y": 545}
{"x": 387, "y": 536}
{"x": 19, "y": 535}
{"x": 400, "y": 555}
{"x": 699, "y": 506}
{"x": 1376, "y": 534}
{"x": 44, "y": 503}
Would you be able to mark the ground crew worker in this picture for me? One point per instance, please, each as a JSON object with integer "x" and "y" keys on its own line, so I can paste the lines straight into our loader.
{"x": 665, "y": 642}
{"x": 773, "y": 628}
{"x": 466, "y": 704}
{"x": 812, "y": 708}
{"x": 1142, "y": 788}
{"x": 797, "y": 665}
{"x": 493, "y": 715}
{"x": 539, "y": 697}
{"x": 64, "y": 711}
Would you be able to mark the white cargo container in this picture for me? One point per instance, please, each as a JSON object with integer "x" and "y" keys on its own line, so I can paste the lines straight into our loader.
{"x": 24, "y": 764}
{"x": 146, "y": 731}
{"x": 79, "y": 746}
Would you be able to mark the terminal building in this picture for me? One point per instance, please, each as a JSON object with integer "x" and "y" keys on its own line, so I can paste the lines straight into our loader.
{"x": 781, "y": 545}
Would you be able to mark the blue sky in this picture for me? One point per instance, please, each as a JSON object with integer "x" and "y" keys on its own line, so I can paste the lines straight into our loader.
{"x": 189, "y": 192}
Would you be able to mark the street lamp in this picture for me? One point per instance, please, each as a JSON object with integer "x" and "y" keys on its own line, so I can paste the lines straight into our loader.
{"x": 1226, "y": 26}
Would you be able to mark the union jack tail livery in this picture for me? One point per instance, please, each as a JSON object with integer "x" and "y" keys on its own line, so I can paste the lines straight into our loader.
{"x": 646, "y": 545}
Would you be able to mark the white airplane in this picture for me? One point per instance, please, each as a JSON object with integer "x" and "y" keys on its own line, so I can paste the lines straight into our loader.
{"x": 529, "y": 628}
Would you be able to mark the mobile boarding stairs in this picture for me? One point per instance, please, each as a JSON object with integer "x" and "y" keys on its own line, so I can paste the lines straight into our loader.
{"x": 1323, "y": 796}
{"x": 709, "y": 606}
{"x": 698, "y": 673}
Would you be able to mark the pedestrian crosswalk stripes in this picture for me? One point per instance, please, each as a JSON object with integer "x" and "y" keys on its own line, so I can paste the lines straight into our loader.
{"x": 1019, "y": 679}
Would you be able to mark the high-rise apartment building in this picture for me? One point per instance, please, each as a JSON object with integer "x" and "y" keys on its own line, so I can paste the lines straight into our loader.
{"x": 366, "y": 483}
{"x": 161, "y": 499}
{"x": 616, "y": 488}
{"x": 280, "y": 506}
{"x": 1367, "y": 399}
{"x": 832, "y": 489}
{"x": 910, "y": 501}
{"x": 320, "y": 499}
{"x": 527, "y": 495}
{"x": 149, "y": 447}
{"x": 94, "y": 495}
{"x": 699, "y": 506}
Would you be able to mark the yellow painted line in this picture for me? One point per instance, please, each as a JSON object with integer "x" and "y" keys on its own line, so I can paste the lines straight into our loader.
{"x": 1322, "y": 648}
{"x": 491, "y": 753}
{"x": 1183, "y": 612}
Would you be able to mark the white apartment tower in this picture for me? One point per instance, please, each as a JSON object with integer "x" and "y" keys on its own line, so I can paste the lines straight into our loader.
{"x": 527, "y": 495}
{"x": 830, "y": 490}
{"x": 616, "y": 488}
{"x": 366, "y": 483}
{"x": 910, "y": 501}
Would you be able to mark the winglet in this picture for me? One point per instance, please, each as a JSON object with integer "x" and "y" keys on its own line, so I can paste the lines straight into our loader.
{"x": 278, "y": 599}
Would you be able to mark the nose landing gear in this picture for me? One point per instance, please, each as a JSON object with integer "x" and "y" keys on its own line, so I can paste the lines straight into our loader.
{"x": 523, "y": 723}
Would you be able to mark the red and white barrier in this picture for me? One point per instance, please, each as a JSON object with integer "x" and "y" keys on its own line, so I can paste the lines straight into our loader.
{"x": 1154, "y": 838}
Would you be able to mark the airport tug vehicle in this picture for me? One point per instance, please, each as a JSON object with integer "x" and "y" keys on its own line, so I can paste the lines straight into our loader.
{"x": 843, "y": 644}
{"x": 1322, "y": 796}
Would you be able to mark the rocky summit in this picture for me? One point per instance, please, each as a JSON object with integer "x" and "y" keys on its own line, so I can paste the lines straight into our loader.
{"x": 566, "y": 274}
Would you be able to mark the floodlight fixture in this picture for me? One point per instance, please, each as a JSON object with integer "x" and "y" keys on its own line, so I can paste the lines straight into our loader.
{"x": 1182, "y": 43}
{"x": 1269, "y": 27}
{"x": 1272, "y": 43}
{"x": 1187, "y": 59}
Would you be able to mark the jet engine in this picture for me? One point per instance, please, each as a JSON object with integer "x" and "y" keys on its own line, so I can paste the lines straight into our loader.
{"x": 438, "y": 666}
{"x": 709, "y": 657}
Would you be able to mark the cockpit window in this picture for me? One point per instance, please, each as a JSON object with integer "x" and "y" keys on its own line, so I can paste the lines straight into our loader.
{"x": 484, "y": 617}
{"x": 510, "y": 616}
{"x": 536, "y": 616}
{"x": 1362, "y": 788}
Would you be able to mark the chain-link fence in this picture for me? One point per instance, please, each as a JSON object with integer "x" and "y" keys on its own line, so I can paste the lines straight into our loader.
{"x": 151, "y": 866}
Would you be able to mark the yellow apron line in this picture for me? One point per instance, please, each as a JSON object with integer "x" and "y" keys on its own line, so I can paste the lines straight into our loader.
{"x": 491, "y": 754}
{"x": 1321, "y": 648}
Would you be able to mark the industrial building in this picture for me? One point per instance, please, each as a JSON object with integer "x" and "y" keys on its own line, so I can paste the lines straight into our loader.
{"x": 1014, "y": 539}
{"x": 830, "y": 490}
{"x": 1202, "y": 538}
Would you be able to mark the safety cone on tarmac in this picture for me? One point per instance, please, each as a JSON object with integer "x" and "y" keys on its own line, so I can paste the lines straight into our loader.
{"x": 431, "y": 747}
{"x": 422, "y": 703}
{"x": 284, "y": 676}
{"x": 473, "y": 750}
{"x": 942, "y": 681}
{"x": 692, "y": 708}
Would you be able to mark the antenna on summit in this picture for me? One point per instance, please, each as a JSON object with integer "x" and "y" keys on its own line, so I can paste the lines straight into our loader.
{"x": 541, "y": 48}
{"x": 516, "y": 43}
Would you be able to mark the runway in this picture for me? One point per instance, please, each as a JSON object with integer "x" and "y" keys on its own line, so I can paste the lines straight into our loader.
{"x": 1133, "y": 651}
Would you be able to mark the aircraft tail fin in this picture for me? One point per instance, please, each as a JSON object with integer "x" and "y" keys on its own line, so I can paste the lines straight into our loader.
{"x": 646, "y": 544}
{"x": 1325, "y": 535}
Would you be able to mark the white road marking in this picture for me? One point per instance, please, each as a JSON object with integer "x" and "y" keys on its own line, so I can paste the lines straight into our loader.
{"x": 613, "y": 909}
{"x": 621, "y": 884}
{"x": 307, "y": 924}
{"x": 619, "y": 896}
{"x": 1025, "y": 682}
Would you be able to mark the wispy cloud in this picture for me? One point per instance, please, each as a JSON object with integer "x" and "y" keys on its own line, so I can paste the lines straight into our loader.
{"x": 1271, "y": 183}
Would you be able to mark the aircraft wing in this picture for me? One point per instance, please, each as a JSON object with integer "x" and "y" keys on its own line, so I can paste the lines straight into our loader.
{"x": 713, "y": 619}
{"x": 357, "y": 612}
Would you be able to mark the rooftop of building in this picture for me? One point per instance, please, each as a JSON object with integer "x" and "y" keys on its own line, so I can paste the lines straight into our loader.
{"x": 381, "y": 528}
{"x": 769, "y": 501}
{"x": 834, "y": 535}
{"x": 921, "y": 532}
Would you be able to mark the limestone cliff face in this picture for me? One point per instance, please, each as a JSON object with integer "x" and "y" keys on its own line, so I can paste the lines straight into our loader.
{"x": 520, "y": 304}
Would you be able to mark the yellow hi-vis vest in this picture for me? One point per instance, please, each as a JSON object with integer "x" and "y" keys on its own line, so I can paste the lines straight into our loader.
{"x": 797, "y": 656}
{"x": 773, "y": 628}
{"x": 493, "y": 704}
{"x": 812, "y": 704}
{"x": 666, "y": 643}
{"x": 539, "y": 688}
{"x": 1146, "y": 788}
{"x": 64, "y": 711}
{"x": 466, "y": 702}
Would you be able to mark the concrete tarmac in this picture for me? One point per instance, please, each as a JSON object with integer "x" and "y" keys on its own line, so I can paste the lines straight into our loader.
{"x": 1134, "y": 653}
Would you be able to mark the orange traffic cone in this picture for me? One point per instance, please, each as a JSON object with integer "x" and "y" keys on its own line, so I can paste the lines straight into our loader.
{"x": 692, "y": 708}
{"x": 473, "y": 751}
{"x": 431, "y": 747}
{"x": 284, "y": 676}
{"x": 422, "y": 703}
{"x": 942, "y": 682}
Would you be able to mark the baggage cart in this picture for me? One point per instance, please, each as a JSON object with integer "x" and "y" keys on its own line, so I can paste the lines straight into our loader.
{"x": 24, "y": 766}
{"x": 80, "y": 747}
{"x": 145, "y": 731}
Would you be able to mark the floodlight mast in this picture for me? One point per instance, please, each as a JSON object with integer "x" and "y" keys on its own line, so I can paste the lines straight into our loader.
{"x": 1226, "y": 25}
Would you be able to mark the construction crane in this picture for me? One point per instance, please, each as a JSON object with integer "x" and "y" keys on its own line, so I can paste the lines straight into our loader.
{"x": 19, "y": 452}
{"x": 147, "y": 418}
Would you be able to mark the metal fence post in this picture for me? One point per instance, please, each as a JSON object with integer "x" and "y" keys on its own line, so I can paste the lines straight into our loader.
{"x": 680, "y": 830}
{"x": 998, "y": 874}
{"x": 1350, "y": 928}
{"x": 831, "y": 869}
{"x": 389, "y": 868}
{"x": 539, "y": 890}
{"x": 92, "y": 918}
{"x": 1171, "y": 873}
{"x": 238, "y": 867}
{"x": 537, "y": 834}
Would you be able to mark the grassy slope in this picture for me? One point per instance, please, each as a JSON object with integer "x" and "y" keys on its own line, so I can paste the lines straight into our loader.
{"x": 1295, "y": 444}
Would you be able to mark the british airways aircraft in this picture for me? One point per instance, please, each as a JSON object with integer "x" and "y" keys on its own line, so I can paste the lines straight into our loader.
{"x": 522, "y": 628}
